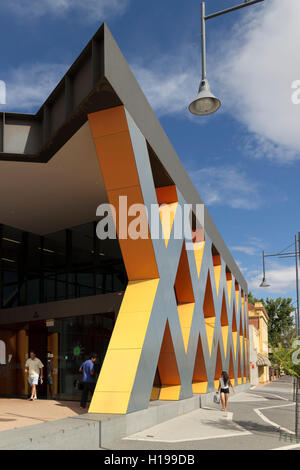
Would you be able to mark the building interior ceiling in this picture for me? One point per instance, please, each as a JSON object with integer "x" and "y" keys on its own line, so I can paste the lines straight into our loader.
{"x": 65, "y": 192}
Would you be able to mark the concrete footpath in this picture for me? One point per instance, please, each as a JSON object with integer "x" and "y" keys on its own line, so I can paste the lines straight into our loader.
{"x": 17, "y": 413}
{"x": 257, "y": 419}
{"x": 262, "y": 418}
{"x": 86, "y": 431}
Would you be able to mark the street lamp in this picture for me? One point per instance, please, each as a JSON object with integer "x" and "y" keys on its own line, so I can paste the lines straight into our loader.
{"x": 264, "y": 282}
{"x": 283, "y": 254}
{"x": 205, "y": 102}
{"x": 294, "y": 254}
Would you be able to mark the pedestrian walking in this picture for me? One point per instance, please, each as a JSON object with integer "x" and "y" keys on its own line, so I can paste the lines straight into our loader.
{"x": 34, "y": 369}
{"x": 224, "y": 386}
{"x": 88, "y": 380}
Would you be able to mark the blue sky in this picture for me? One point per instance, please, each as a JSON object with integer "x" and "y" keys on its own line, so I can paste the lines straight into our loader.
{"x": 245, "y": 159}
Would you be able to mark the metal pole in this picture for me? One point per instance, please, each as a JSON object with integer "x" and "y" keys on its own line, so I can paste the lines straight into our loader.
{"x": 297, "y": 411}
{"x": 297, "y": 283}
{"x": 229, "y": 10}
{"x": 298, "y": 312}
{"x": 203, "y": 40}
{"x": 295, "y": 384}
{"x": 264, "y": 266}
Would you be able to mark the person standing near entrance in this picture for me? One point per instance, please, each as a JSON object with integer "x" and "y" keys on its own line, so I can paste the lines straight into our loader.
{"x": 88, "y": 381}
{"x": 34, "y": 369}
{"x": 224, "y": 384}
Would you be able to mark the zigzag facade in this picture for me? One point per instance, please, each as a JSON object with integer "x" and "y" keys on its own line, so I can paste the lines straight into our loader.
{"x": 183, "y": 316}
{"x": 165, "y": 314}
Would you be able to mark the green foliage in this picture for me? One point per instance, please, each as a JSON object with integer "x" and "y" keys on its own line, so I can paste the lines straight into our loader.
{"x": 281, "y": 321}
{"x": 252, "y": 299}
{"x": 288, "y": 357}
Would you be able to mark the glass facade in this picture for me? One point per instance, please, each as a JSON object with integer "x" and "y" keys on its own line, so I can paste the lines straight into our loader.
{"x": 35, "y": 269}
{"x": 62, "y": 345}
{"x": 78, "y": 337}
{"x": 68, "y": 264}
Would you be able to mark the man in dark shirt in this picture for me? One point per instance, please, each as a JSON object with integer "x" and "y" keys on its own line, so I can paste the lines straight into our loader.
{"x": 88, "y": 381}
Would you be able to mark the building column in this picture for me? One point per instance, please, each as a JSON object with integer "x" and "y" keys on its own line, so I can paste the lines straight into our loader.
{"x": 22, "y": 355}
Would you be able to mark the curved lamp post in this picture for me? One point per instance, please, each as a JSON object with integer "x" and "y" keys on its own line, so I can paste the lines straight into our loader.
{"x": 264, "y": 282}
{"x": 205, "y": 102}
{"x": 294, "y": 254}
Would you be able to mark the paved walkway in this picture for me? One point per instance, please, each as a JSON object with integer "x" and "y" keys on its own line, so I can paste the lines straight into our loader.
{"x": 201, "y": 424}
{"x": 260, "y": 419}
{"x": 16, "y": 413}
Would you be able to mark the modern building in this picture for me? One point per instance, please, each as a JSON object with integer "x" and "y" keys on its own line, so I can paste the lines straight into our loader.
{"x": 259, "y": 344}
{"x": 166, "y": 314}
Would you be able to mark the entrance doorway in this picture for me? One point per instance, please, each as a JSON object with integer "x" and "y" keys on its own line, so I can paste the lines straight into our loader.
{"x": 62, "y": 345}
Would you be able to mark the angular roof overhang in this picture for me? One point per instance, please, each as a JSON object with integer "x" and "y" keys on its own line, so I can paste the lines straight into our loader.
{"x": 100, "y": 78}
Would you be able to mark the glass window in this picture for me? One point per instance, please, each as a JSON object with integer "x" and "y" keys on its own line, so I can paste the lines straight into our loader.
{"x": 65, "y": 265}
{"x": 77, "y": 338}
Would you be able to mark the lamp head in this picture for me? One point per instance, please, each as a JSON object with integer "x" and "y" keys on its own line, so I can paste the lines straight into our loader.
{"x": 264, "y": 283}
{"x": 205, "y": 102}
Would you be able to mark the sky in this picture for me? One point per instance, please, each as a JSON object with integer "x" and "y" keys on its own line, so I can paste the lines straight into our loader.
{"x": 245, "y": 159}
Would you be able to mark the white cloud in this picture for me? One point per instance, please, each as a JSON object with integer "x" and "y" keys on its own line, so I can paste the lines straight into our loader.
{"x": 253, "y": 72}
{"x": 253, "y": 246}
{"x": 247, "y": 250}
{"x": 28, "y": 86}
{"x": 243, "y": 269}
{"x": 256, "y": 69}
{"x": 89, "y": 9}
{"x": 282, "y": 280}
{"x": 170, "y": 81}
{"x": 226, "y": 185}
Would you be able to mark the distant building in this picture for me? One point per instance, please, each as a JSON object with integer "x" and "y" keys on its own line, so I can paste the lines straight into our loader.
{"x": 259, "y": 344}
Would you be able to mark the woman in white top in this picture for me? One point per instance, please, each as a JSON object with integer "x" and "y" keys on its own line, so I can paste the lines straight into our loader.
{"x": 224, "y": 384}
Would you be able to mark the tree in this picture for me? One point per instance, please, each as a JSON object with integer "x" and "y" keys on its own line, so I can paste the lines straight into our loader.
{"x": 281, "y": 321}
{"x": 252, "y": 299}
{"x": 288, "y": 357}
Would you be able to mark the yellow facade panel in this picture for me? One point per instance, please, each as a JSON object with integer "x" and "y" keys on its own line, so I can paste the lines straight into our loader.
{"x": 198, "y": 252}
{"x": 118, "y": 370}
{"x": 108, "y": 402}
{"x": 185, "y": 312}
{"x": 229, "y": 288}
{"x": 225, "y": 338}
{"x": 235, "y": 338}
{"x": 167, "y": 215}
{"x": 237, "y": 298}
{"x": 170, "y": 392}
{"x": 199, "y": 387}
{"x": 210, "y": 328}
{"x": 130, "y": 330}
{"x": 217, "y": 271}
{"x": 139, "y": 296}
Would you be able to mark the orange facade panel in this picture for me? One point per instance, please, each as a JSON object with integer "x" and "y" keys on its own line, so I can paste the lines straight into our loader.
{"x": 117, "y": 162}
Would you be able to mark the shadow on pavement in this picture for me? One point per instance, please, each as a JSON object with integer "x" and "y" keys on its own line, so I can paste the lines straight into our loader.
{"x": 74, "y": 406}
{"x": 246, "y": 425}
{"x": 257, "y": 427}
